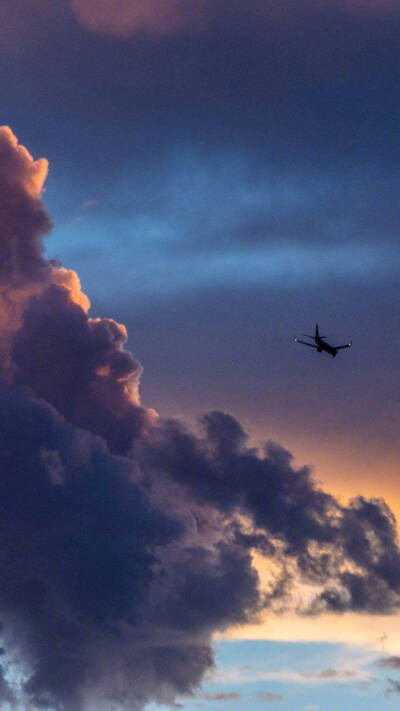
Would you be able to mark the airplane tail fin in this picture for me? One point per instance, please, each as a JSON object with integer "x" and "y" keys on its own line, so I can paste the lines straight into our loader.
{"x": 317, "y": 333}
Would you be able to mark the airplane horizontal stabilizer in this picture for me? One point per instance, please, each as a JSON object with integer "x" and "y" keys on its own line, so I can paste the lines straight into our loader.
{"x": 297, "y": 340}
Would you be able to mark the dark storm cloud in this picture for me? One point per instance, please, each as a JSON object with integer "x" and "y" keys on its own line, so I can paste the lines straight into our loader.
{"x": 351, "y": 552}
{"x": 77, "y": 559}
{"x": 117, "y": 570}
{"x": 97, "y": 578}
{"x": 222, "y": 471}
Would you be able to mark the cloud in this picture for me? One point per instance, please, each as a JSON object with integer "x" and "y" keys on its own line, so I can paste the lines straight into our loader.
{"x": 392, "y": 662}
{"x": 6, "y": 694}
{"x": 393, "y": 687}
{"x": 69, "y": 279}
{"x": 24, "y": 175}
{"x": 23, "y": 224}
{"x": 222, "y": 696}
{"x": 23, "y": 220}
{"x": 128, "y": 17}
{"x": 162, "y": 17}
{"x": 78, "y": 560}
{"x": 47, "y": 339}
{"x": 105, "y": 593}
{"x": 351, "y": 552}
{"x": 331, "y": 674}
{"x": 79, "y": 365}
{"x": 127, "y": 542}
{"x": 268, "y": 697}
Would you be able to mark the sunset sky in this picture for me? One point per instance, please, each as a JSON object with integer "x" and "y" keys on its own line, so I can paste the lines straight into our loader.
{"x": 216, "y": 176}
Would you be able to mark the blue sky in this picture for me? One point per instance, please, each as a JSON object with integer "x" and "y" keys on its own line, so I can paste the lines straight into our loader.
{"x": 264, "y": 674}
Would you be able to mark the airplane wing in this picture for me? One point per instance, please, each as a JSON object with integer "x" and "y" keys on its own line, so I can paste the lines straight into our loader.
{"x": 347, "y": 345}
{"x": 297, "y": 340}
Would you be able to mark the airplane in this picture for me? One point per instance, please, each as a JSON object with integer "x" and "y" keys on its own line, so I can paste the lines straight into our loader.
{"x": 321, "y": 345}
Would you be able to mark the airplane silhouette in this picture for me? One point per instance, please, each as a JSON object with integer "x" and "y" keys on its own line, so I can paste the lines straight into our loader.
{"x": 321, "y": 345}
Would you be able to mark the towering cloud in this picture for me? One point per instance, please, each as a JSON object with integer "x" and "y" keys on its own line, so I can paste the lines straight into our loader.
{"x": 76, "y": 363}
{"x": 127, "y": 541}
{"x": 23, "y": 223}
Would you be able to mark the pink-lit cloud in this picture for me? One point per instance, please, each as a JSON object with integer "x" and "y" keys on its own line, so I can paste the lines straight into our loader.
{"x": 23, "y": 220}
{"x": 23, "y": 224}
{"x": 47, "y": 339}
{"x": 125, "y": 18}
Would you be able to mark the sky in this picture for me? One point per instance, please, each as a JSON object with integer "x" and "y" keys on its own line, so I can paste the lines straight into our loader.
{"x": 196, "y": 510}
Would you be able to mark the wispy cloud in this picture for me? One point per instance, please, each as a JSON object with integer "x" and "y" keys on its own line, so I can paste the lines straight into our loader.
{"x": 392, "y": 662}
{"x": 269, "y": 697}
{"x": 242, "y": 674}
{"x": 222, "y": 696}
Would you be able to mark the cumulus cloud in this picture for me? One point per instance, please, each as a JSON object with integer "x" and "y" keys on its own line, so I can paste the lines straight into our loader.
{"x": 23, "y": 220}
{"x": 127, "y": 542}
{"x": 78, "y": 562}
{"x": 23, "y": 224}
{"x": 47, "y": 339}
{"x": 79, "y": 365}
{"x": 350, "y": 552}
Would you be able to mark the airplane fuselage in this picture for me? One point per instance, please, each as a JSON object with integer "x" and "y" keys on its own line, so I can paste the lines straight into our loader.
{"x": 323, "y": 346}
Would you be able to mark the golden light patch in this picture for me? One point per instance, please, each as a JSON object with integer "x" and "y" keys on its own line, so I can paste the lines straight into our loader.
{"x": 31, "y": 173}
{"x": 70, "y": 280}
{"x": 380, "y": 632}
{"x": 103, "y": 370}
